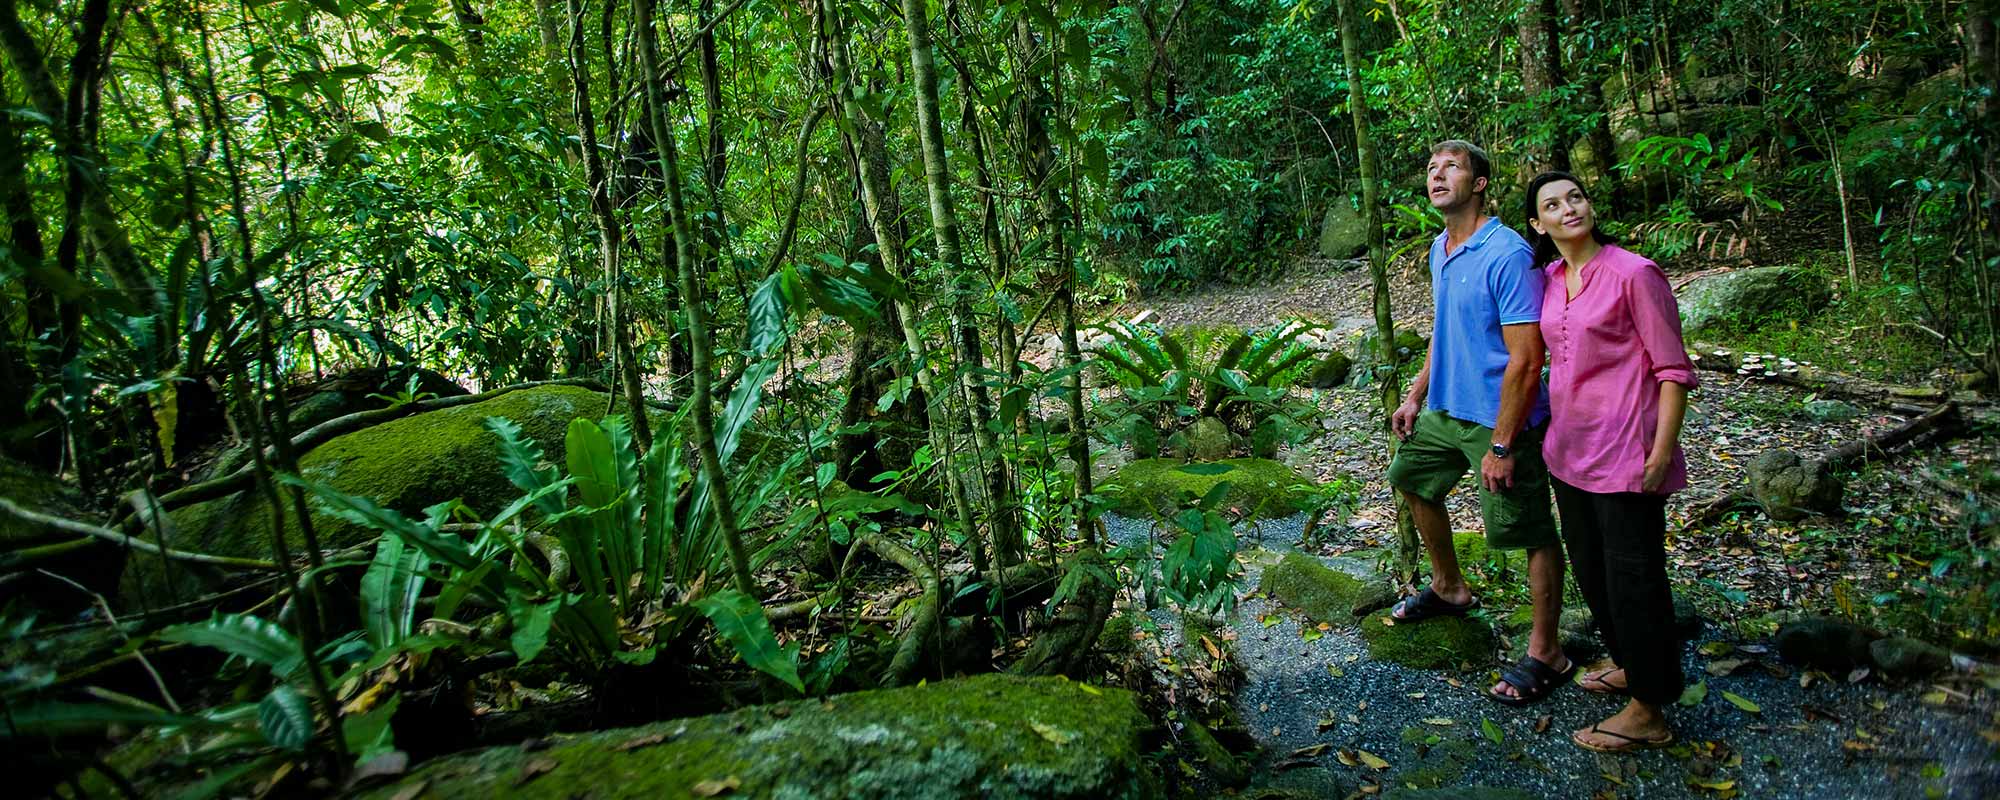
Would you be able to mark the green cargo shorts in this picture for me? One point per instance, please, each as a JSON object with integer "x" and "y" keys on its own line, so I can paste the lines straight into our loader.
{"x": 1442, "y": 449}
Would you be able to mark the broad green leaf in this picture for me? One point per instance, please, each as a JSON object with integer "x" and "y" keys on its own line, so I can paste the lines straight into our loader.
{"x": 286, "y": 718}
{"x": 531, "y": 626}
{"x": 254, "y": 639}
{"x": 389, "y": 591}
{"x": 521, "y": 462}
{"x": 1693, "y": 695}
{"x": 769, "y": 311}
{"x": 741, "y": 620}
{"x": 448, "y": 549}
{"x": 1492, "y": 731}
{"x": 55, "y": 719}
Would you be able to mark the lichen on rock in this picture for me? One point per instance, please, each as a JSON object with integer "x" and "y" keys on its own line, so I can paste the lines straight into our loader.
{"x": 1156, "y": 486}
{"x": 1440, "y": 643}
{"x": 1323, "y": 594}
{"x": 996, "y": 736}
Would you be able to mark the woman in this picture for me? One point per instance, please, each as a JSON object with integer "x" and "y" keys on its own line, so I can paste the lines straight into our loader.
{"x": 1618, "y": 383}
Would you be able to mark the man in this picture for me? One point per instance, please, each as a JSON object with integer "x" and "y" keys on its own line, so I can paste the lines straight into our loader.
{"x": 1482, "y": 407}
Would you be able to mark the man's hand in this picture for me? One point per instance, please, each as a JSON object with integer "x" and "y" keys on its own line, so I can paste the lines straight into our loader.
{"x": 1655, "y": 475}
{"x": 1496, "y": 473}
{"x": 1404, "y": 421}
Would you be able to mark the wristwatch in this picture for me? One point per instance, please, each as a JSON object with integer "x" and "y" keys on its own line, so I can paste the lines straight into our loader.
{"x": 1501, "y": 450}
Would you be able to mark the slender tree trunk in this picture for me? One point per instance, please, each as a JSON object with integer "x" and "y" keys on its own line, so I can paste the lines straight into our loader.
{"x": 473, "y": 27}
{"x": 699, "y": 346}
{"x": 944, "y": 229}
{"x": 601, "y": 209}
{"x": 879, "y": 198}
{"x": 1983, "y": 72}
{"x": 1389, "y": 386}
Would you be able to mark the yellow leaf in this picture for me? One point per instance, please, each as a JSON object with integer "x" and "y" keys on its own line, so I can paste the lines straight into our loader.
{"x": 1720, "y": 786}
{"x": 714, "y": 788}
{"x": 1441, "y": 721}
{"x": 1373, "y": 761}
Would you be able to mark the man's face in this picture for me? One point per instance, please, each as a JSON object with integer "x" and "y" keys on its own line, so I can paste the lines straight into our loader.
{"x": 1449, "y": 182}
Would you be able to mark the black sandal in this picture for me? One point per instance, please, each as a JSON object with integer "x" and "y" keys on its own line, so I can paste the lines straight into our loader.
{"x": 1632, "y": 743}
{"x": 1533, "y": 679}
{"x": 1427, "y": 605}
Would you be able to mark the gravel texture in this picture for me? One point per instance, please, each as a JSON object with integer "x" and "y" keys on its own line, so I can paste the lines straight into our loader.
{"x": 1829, "y": 740}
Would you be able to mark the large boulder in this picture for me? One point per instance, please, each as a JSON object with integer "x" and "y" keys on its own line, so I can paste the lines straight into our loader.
{"x": 1789, "y": 486}
{"x": 1344, "y": 233}
{"x": 406, "y": 464}
{"x": 1321, "y": 593}
{"x": 1746, "y": 295}
{"x": 94, "y": 564}
{"x": 988, "y": 736}
{"x": 1157, "y": 486}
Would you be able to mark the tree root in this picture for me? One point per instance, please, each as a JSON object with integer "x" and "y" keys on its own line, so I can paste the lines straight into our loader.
{"x": 923, "y": 618}
{"x": 125, "y": 540}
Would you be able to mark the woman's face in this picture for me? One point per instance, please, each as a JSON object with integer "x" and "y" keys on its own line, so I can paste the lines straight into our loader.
{"x": 1563, "y": 212}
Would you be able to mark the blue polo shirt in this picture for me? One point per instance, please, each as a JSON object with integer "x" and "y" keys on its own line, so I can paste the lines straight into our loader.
{"x": 1488, "y": 282}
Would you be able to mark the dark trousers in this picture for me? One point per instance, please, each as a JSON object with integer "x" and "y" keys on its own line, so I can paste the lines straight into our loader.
{"x": 1617, "y": 549}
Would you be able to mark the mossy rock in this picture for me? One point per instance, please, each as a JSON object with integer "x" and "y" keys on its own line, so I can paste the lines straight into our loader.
{"x": 1208, "y": 439}
{"x": 994, "y": 736}
{"x": 405, "y": 464}
{"x": 34, "y": 490}
{"x": 1153, "y": 486}
{"x": 1745, "y": 296}
{"x": 95, "y": 565}
{"x": 1323, "y": 594}
{"x": 1439, "y": 643}
{"x": 1211, "y": 757}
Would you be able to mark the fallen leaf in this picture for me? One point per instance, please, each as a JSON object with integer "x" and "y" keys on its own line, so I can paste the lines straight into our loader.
{"x": 1694, "y": 694}
{"x": 1373, "y": 761}
{"x": 535, "y": 768}
{"x": 1742, "y": 702}
{"x": 1312, "y": 634}
{"x": 1713, "y": 649}
{"x": 1054, "y": 735}
{"x": 714, "y": 788}
{"x": 1492, "y": 731}
{"x": 1336, "y": 671}
{"x": 1441, "y": 721}
{"x": 1213, "y": 651}
{"x": 1727, "y": 666}
{"x": 1346, "y": 758}
{"x": 1542, "y": 725}
{"x": 1310, "y": 751}
{"x": 1718, "y": 786}
{"x": 642, "y": 741}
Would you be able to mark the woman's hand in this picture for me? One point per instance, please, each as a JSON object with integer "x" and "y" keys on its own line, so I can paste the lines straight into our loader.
{"x": 1655, "y": 475}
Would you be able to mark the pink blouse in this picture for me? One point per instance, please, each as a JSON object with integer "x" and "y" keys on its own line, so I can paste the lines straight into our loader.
{"x": 1609, "y": 349}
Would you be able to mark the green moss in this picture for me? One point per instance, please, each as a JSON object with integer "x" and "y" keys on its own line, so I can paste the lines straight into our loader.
{"x": 1212, "y": 757}
{"x": 1440, "y": 643}
{"x": 1156, "y": 486}
{"x": 1322, "y": 594}
{"x": 1116, "y": 637}
{"x": 36, "y": 491}
{"x": 405, "y": 464}
{"x": 988, "y": 736}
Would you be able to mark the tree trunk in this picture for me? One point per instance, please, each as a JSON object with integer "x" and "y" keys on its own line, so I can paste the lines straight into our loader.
{"x": 1983, "y": 71}
{"x": 879, "y": 199}
{"x": 473, "y": 27}
{"x": 692, "y": 296}
{"x": 944, "y": 230}
{"x": 602, "y": 210}
{"x": 1390, "y": 387}
{"x": 1541, "y": 72}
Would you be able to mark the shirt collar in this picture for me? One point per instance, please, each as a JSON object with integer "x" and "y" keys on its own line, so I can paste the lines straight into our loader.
{"x": 1485, "y": 231}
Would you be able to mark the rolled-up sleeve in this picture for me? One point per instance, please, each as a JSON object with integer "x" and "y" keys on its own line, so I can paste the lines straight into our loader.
{"x": 1657, "y": 318}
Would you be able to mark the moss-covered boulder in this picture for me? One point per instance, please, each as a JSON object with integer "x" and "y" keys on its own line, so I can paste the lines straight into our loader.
{"x": 1323, "y": 594}
{"x": 1789, "y": 486}
{"x": 1439, "y": 643}
{"x": 34, "y": 490}
{"x": 405, "y": 464}
{"x": 1156, "y": 485}
{"x": 1208, "y": 439}
{"x": 1744, "y": 296}
{"x": 993, "y": 736}
{"x": 94, "y": 564}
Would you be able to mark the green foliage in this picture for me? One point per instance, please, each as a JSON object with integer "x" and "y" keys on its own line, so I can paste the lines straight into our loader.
{"x": 740, "y": 620}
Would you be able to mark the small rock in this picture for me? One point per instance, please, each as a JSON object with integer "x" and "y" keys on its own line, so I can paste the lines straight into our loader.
{"x": 1832, "y": 410}
{"x": 1823, "y": 643}
{"x": 1904, "y": 657}
{"x": 1789, "y": 486}
{"x": 1331, "y": 371}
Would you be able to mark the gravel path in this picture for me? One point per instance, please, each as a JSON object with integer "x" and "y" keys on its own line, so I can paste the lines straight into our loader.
{"x": 1828, "y": 740}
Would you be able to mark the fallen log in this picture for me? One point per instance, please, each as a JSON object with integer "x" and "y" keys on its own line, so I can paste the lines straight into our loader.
{"x": 1769, "y": 368}
{"x": 1944, "y": 421}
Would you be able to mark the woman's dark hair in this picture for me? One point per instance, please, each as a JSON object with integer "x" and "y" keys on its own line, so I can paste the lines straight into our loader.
{"x": 1545, "y": 245}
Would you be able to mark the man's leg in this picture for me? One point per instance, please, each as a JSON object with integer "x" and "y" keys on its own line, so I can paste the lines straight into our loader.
{"x": 1545, "y": 590}
{"x": 1519, "y": 517}
{"x": 1434, "y": 526}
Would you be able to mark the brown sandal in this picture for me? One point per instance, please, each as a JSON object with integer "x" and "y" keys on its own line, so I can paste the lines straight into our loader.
{"x": 1632, "y": 743}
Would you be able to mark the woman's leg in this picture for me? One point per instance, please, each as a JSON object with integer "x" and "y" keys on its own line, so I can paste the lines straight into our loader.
{"x": 1583, "y": 534}
{"x": 1641, "y": 605}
